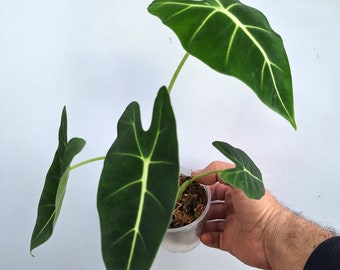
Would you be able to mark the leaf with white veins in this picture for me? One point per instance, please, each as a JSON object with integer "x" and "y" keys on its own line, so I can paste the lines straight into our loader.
{"x": 236, "y": 40}
{"x": 55, "y": 185}
{"x": 245, "y": 176}
{"x": 138, "y": 187}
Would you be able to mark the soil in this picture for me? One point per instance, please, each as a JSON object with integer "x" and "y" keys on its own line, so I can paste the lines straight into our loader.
{"x": 191, "y": 204}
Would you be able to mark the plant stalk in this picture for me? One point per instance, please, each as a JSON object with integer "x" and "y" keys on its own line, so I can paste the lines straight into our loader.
{"x": 183, "y": 187}
{"x": 86, "y": 162}
{"x": 177, "y": 71}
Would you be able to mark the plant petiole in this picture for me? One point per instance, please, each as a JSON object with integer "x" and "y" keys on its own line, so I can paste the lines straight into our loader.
{"x": 86, "y": 162}
{"x": 177, "y": 71}
{"x": 183, "y": 187}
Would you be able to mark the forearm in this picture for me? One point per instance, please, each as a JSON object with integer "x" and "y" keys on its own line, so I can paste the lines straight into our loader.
{"x": 291, "y": 240}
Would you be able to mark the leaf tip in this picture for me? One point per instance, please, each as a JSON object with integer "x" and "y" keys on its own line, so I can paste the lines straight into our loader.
{"x": 32, "y": 253}
{"x": 293, "y": 123}
{"x": 258, "y": 195}
{"x": 291, "y": 120}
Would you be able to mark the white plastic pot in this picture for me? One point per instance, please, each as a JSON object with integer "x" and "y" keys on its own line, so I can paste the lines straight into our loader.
{"x": 186, "y": 238}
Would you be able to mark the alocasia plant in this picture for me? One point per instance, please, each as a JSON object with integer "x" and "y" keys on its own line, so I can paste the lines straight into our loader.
{"x": 139, "y": 179}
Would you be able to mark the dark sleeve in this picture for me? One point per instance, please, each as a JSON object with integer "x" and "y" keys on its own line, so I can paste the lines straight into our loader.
{"x": 326, "y": 256}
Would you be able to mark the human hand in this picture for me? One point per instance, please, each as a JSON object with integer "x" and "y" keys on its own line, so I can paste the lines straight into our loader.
{"x": 261, "y": 233}
{"x": 235, "y": 223}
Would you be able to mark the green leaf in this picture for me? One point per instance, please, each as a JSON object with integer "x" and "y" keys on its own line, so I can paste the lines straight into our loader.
{"x": 236, "y": 40}
{"x": 55, "y": 185}
{"x": 245, "y": 176}
{"x": 138, "y": 187}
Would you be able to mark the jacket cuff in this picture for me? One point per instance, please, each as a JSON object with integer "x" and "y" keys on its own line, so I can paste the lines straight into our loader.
{"x": 326, "y": 256}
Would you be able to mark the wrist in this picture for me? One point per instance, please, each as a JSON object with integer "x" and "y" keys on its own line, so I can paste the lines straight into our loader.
{"x": 274, "y": 236}
{"x": 290, "y": 239}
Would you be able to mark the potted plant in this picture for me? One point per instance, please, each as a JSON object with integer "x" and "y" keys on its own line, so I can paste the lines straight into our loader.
{"x": 139, "y": 179}
{"x": 189, "y": 214}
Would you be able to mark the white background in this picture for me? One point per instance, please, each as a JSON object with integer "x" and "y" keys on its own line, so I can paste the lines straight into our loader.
{"x": 95, "y": 57}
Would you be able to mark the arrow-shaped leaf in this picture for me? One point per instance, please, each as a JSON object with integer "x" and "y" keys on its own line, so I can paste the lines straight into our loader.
{"x": 138, "y": 187}
{"x": 236, "y": 40}
{"x": 245, "y": 175}
{"x": 55, "y": 185}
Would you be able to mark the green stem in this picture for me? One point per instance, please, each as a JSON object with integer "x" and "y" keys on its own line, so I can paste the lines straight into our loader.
{"x": 177, "y": 71}
{"x": 86, "y": 162}
{"x": 183, "y": 187}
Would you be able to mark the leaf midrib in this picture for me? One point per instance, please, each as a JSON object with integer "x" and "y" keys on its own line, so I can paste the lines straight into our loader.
{"x": 146, "y": 163}
{"x": 220, "y": 8}
{"x": 140, "y": 210}
{"x": 244, "y": 169}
